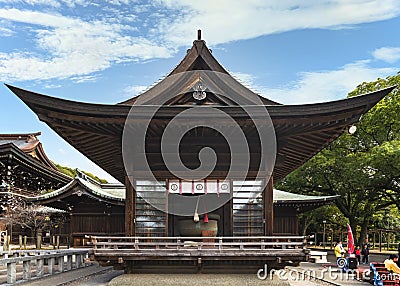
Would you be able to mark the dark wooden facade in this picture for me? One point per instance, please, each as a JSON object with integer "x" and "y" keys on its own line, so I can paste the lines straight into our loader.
{"x": 94, "y": 209}
{"x": 301, "y": 131}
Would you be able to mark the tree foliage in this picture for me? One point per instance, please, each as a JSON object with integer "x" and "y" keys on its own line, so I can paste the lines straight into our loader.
{"x": 73, "y": 172}
{"x": 363, "y": 168}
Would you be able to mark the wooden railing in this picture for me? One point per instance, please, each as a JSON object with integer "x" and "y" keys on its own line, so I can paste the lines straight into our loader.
{"x": 117, "y": 246}
{"x": 37, "y": 258}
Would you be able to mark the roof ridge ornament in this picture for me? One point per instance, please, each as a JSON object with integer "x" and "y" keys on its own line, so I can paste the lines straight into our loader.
{"x": 199, "y": 35}
{"x": 199, "y": 91}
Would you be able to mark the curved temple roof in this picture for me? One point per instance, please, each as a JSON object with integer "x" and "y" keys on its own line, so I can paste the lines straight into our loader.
{"x": 83, "y": 185}
{"x": 96, "y": 129}
{"x": 25, "y": 166}
{"x": 29, "y": 144}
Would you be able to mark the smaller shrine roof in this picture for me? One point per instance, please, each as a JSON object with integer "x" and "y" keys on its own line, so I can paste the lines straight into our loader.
{"x": 284, "y": 197}
{"x": 84, "y": 185}
{"x": 41, "y": 208}
{"x": 302, "y": 203}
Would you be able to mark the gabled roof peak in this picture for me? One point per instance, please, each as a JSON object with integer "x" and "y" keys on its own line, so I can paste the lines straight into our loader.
{"x": 198, "y": 65}
{"x": 198, "y": 57}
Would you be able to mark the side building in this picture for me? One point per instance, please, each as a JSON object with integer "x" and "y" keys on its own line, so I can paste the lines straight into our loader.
{"x": 25, "y": 171}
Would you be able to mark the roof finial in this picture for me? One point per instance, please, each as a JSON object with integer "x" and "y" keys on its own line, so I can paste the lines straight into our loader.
{"x": 199, "y": 35}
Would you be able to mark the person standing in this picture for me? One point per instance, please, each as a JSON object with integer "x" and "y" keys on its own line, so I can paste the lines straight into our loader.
{"x": 339, "y": 250}
{"x": 357, "y": 252}
{"x": 365, "y": 254}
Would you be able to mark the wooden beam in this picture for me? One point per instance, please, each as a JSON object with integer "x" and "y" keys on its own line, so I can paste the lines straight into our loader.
{"x": 130, "y": 207}
{"x": 269, "y": 207}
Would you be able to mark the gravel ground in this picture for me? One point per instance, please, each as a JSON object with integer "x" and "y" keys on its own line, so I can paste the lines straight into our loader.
{"x": 193, "y": 280}
{"x": 233, "y": 279}
{"x": 98, "y": 279}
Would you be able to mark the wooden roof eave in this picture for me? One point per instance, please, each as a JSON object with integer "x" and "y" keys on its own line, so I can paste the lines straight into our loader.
{"x": 89, "y": 112}
{"x": 308, "y": 205}
{"x": 70, "y": 190}
{"x": 59, "y": 114}
{"x": 44, "y": 159}
{"x": 309, "y": 200}
{"x": 55, "y": 195}
{"x": 32, "y": 163}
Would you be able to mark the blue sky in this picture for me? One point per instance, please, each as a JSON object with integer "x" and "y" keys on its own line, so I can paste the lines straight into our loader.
{"x": 290, "y": 51}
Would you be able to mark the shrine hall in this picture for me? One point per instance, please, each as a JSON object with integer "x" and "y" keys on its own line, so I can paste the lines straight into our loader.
{"x": 198, "y": 154}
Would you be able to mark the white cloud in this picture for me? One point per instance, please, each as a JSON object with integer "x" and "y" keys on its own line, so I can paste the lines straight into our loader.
{"x": 387, "y": 54}
{"x": 51, "y": 3}
{"x": 84, "y": 78}
{"x": 324, "y": 86}
{"x": 224, "y": 20}
{"x": 118, "y": 2}
{"x": 67, "y": 46}
{"x": 135, "y": 90}
{"x": 73, "y": 47}
{"x": 73, "y": 3}
{"x": 244, "y": 78}
{"x": 5, "y": 32}
{"x": 247, "y": 80}
{"x": 50, "y": 85}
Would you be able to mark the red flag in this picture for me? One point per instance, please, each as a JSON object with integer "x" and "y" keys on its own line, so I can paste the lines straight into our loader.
{"x": 350, "y": 240}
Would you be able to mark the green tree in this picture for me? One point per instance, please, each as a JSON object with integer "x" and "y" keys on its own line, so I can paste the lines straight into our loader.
{"x": 362, "y": 168}
{"x": 73, "y": 172}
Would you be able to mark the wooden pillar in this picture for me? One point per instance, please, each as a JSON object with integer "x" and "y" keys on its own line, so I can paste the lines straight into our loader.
{"x": 268, "y": 198}
{"x": 227, "y": 219}
{"x": 130, "y": 208}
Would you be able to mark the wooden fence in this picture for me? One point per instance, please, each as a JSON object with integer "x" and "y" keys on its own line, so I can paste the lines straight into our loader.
{"x": 124, "y": 246}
